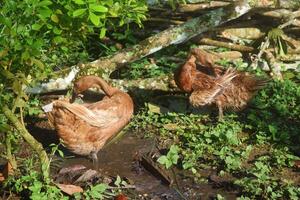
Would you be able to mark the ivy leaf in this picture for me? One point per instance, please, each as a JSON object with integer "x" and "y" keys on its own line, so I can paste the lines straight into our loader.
{"x": 79, "y": 12}
{"x": 94, "y": 19}
{"x": 98, "y": 8}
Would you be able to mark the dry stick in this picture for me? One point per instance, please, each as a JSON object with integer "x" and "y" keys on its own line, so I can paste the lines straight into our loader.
{"x": 30, "y": 140}
{"x": 201, "y": 6}
{"x": 279, "y": 13}
{"x": 275, "y": 67}
{"x": 232, "y": 46}
{"x": 163, "y": 20}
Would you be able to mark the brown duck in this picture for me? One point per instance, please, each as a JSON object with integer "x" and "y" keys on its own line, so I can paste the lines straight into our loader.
{"x": 85, "y": 128}
{"x": 226, "y": 89}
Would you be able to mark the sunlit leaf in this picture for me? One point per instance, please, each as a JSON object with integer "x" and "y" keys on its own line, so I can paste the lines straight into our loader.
{"x": 45, "y": 12}
{"x": 44, "y": 3}
{"x": 98, "y": 8}
{"x": 102, "y": 32}
{"x": 36, "y": 27}
{"x": 94, "y": 19}
{"x": 20, "y": 103}
{"x": 57, "y": 31}
{"x": 162, "y": 159}
{"x": 54, "y": 18}
{"x": 79, "y": 2}
{"x": 79, "y": 12}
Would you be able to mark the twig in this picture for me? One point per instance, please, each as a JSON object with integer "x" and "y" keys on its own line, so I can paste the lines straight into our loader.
{"x": 201, "y": 6}
{"x": 232, "y": 46}
{"x": 122, "y": 187}
{"x": 168, "y": 21}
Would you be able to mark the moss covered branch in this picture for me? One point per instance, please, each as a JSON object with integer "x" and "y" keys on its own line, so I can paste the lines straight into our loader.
{"x": 34, "y": 144}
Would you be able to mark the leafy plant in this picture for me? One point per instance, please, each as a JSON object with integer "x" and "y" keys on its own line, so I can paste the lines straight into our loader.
{"x": 171, "y": 158}
{"x": 275, "y": 36}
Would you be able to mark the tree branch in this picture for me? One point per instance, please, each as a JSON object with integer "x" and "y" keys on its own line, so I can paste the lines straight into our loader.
{"x": 35, "y": 145}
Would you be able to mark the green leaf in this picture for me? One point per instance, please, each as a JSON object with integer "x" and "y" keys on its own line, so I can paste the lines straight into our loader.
{"x": 57, "y": 31}
{"x": 54, "y": 18}
{"x": 98, "y": 8}
{"x": 61, "y": 153}
{"x": 168, "y": 164}
{"x": 94, "y": 19}
{"x": 20, "y": 103}
{"x": 102, "y": 32}
{"x": 45, "y": 12}
{"x": 58, "y": 39}
{"x": 99, "y": 188}
{"x": 4, "y": 127}
{"x": 64, "y": 48}
{"x": 36, "y": 27}
{"x": 38, "y": 63}
{"x": 7, "y": 74}
{"x": 118, "y": 181}
{"x": 79, "y": 2}
{"x": 174, "y": 159}
{"x": 162, "y": 159}
{"x": 272, "y": 129}
{"x": 79, "y": 12}
{"x": 17, "y": 87}
{"x": 44, "y": 3}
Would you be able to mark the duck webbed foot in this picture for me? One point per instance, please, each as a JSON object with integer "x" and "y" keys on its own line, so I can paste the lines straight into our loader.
{"x": 94, "y": 158}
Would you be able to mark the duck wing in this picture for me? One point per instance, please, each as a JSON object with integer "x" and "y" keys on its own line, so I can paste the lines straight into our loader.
{"x": 95, "y": 114}
{"x": 207, "y": 88}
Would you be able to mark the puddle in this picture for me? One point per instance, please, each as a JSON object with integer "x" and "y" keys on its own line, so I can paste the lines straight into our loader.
{"x": 121, "y": 158}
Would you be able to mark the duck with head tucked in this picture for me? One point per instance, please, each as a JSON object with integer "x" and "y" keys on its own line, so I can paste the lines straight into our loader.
{"x": 85, "y": 128}
{"x": 224, "y": 88}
